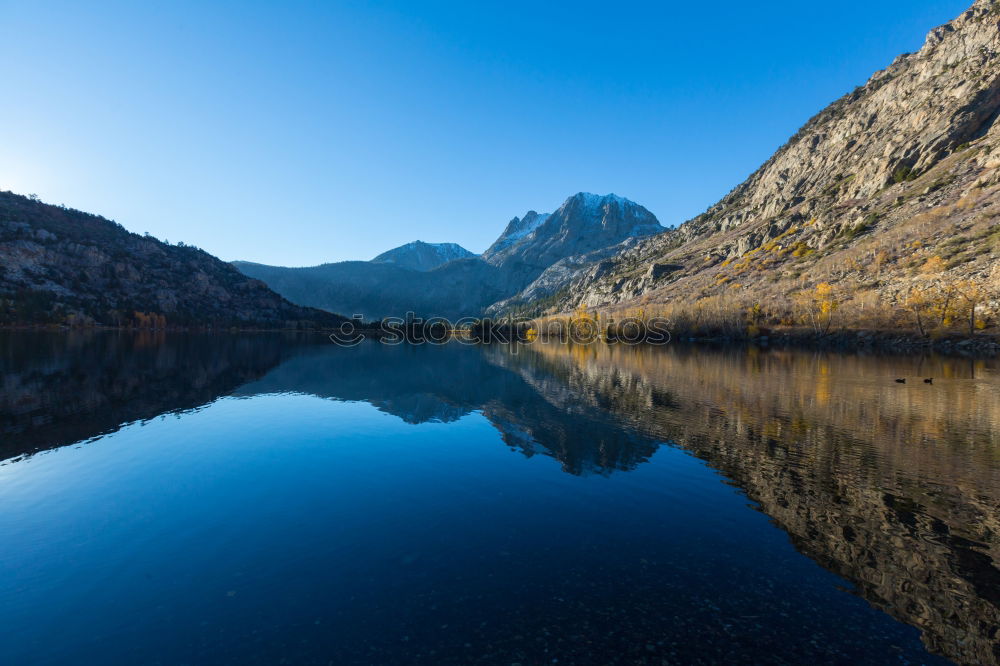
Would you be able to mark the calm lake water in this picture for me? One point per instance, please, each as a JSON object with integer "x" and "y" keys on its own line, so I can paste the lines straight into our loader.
{"x": 172, "y": 499}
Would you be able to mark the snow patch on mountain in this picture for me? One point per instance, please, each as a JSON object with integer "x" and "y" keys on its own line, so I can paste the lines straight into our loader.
{"x": 518, "y": 229}
{"x": 421, "y": 256}
{"x": 600, "y": 200}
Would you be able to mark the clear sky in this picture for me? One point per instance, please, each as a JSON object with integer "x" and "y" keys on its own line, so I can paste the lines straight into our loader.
{"x": 298, "y": 133}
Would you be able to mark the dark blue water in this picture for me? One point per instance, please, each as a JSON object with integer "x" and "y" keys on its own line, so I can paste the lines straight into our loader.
{"x": 266, "y": 500}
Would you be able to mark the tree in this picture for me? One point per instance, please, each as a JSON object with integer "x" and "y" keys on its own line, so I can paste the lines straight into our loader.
{"x": 973, "y": 295}
{"x": 818, "y": 306}
{"x": 933, "y": 265}
{"x": 919, "y": 305}
{"x": 942, "y": 303}
{"x": 880, "y": 259}
{"x": 583, "y": 325}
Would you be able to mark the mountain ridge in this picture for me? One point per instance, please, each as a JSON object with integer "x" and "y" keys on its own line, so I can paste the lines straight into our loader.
{"x": 468, "y": 285}
{"x": 420, "y": 256}
{"x": 63, "y": 266}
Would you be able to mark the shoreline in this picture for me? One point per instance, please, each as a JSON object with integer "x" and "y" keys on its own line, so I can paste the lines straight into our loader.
{"x": 898, "y": 342}
{"x": 862, "y": 341}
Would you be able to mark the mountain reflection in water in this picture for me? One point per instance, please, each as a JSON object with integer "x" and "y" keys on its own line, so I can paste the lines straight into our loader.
{"x": 893, "y": 487}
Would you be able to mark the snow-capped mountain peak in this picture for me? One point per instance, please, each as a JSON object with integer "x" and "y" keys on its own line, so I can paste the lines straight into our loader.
{"x": 583, "y": 223}
{"x": 421, "y": 256}
{"x": 519, "y": 228}
{"x": 599, "y": 200}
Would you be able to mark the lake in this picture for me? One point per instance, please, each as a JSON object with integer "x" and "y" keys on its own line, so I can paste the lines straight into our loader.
{"x": 268, "y": 499}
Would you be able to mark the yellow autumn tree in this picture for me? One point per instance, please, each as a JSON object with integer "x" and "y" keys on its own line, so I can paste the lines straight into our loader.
{"x": 971, "y": 295}
{"x": 920, "y": 305}
{"x": 933, "y": 265}
{"x": 583, "y": 325}
{"x": 941, "y": 300}
{"x": 818, "y": 307}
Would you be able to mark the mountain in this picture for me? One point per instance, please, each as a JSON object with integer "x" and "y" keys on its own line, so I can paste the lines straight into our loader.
{"x": 584, "y": 223}
{"x": 406, "y": 280}
{"x": 421, "y": 256}
{"x": 59, "y": 265}
{"x": 517, "y": 229}
{"x": 889, "y": 197}
{"x": 378, "y": 290}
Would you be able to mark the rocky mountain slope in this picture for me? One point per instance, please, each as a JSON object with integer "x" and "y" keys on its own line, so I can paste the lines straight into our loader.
{"x": 584, "y": 223}
{"x": 465, "y": 286}
{"x": 890, "y": 196}
{"x": 421, "y": 256}
{"x": 63, "y": 266}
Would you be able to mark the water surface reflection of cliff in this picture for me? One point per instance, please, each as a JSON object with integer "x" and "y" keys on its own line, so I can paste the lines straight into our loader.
{"x": 895, "y": 487}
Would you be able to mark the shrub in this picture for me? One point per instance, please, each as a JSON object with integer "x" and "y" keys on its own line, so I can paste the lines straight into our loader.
{"x": 903, "y": 174}
{"x": 851, "y": 233}
{"x": 933, "y": 265}
{"x": 802, "y": 250}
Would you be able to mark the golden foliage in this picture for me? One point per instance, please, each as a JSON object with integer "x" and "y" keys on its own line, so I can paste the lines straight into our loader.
{"x": 933, "y": 265}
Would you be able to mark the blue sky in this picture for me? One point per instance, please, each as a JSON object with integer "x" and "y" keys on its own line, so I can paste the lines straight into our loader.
{"x": 298, "y": 133}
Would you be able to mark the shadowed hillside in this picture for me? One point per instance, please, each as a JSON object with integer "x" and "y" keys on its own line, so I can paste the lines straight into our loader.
{"x": 64, "y": 266}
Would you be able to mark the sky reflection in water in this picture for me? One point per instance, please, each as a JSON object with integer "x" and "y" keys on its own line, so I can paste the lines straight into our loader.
{"x": 460, "y": 505}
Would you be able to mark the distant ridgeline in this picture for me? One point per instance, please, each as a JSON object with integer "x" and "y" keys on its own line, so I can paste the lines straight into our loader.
{"x": 446, "y": 280}
{"x": 64, "y": 266}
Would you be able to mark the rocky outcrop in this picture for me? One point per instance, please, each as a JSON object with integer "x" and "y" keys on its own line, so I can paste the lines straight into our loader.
{"x": 516, "y": 230}
{"x": 555, "y": 280}
{"x": 904, "y": 120}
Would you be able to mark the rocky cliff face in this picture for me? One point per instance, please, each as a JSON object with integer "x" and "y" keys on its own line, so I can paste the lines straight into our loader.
{"x": 904, "y": 120}
{"x": 517, "y": 229}
{"x": 584, "y": 223}
{"x": 63, "y": 266}
{"x": 421, "y": 256}
{"x": 910, "y": 158}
